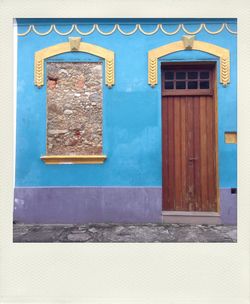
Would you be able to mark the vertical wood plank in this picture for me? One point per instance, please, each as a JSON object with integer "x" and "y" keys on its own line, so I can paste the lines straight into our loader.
{"x": 183, "y": 159}
{"x": 197, "y": 153}
{"x": 171, "y": 156}
{"x": 165, "y": 169}
{"x": 203, "y": 147}
{"x": 215, "y": 144}
{"x": 190, "y": 154}
{"x": 177, "y": 153}
{"x": 211, "y": 154}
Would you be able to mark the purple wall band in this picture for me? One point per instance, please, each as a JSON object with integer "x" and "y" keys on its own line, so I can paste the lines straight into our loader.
{"x": 78, "y": 205}
{"x": 87, "y": 204}
{"x": 228, "y": 207}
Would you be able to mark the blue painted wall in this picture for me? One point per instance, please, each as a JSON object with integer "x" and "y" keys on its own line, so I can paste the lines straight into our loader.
{"x": 131, "y": 109}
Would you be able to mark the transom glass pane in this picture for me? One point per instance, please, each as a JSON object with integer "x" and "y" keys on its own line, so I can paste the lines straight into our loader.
{"x": 169, "y": 75}
{"x": 204, "y": 75}
{"x": 192, "y": 85}
{"x": 204, "y": 85}
{"x": 192, "y": 75}
{"x": 180, "y": 85}
{"x": 169, "y": 85}
{"x": 180, "y": 75}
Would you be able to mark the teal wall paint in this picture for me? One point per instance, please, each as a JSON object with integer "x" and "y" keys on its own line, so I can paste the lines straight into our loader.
{"x": 131, "y": 109}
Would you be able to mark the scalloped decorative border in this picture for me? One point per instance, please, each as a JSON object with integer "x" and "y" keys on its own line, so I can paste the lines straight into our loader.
{"x": 138, "y": 27}
{"x": 83, "y": 47}
{"x": 206, "y": 47}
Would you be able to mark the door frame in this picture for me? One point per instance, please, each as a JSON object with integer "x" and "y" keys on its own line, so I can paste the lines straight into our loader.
{"x": 214, "y": 68}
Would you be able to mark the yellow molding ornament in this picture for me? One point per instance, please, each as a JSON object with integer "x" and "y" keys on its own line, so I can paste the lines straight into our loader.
{"x": 74, "y": 44}
{"x": 188, "y": 43}
{"x": 73, "y": 159}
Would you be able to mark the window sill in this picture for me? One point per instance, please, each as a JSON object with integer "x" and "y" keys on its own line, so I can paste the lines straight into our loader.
{"x": 73, "y": 159}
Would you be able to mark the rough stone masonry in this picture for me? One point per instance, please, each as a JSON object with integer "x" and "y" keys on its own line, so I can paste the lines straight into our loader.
{"x": 127, "y": 233}
{"x": 74, "y": 108}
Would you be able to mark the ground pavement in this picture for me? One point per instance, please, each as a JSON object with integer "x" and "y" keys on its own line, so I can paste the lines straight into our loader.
{"x": 139, "y": 233}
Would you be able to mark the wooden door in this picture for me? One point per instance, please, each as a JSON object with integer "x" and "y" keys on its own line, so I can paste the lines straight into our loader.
{"x": 189, "y": 139}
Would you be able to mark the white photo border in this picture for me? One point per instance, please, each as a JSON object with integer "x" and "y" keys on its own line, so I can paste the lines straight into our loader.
{"x": 123, "y": 273}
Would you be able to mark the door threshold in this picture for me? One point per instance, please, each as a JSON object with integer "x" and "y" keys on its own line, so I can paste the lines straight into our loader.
{"x": 191, "y": 217}
{"x": 190, "y": 213}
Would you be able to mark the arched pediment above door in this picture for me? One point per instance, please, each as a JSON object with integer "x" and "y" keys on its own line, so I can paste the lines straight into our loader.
{"x": 74, "y": 45}
{"x": 188, "y": 43}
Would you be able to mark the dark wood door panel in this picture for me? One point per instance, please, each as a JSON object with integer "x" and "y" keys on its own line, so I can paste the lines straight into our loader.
{"x": 189, "y": 153}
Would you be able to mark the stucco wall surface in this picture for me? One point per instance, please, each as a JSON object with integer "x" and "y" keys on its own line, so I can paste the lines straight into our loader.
{"x": 131, "y": 108}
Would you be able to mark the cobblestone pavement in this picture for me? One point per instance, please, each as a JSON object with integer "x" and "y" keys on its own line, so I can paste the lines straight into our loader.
{"x": 139, "y": 233}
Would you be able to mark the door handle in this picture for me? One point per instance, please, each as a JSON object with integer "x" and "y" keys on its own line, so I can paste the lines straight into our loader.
{"x": 193, "y": 158}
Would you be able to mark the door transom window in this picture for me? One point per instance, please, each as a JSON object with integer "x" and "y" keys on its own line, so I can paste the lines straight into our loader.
{"x": 188, "y": 81}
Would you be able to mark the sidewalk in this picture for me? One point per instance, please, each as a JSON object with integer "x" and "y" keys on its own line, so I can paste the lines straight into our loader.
{"x": 139, "y": 233}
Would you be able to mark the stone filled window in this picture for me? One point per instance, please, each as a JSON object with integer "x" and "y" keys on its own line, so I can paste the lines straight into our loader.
{"x": 74, "y": 108}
